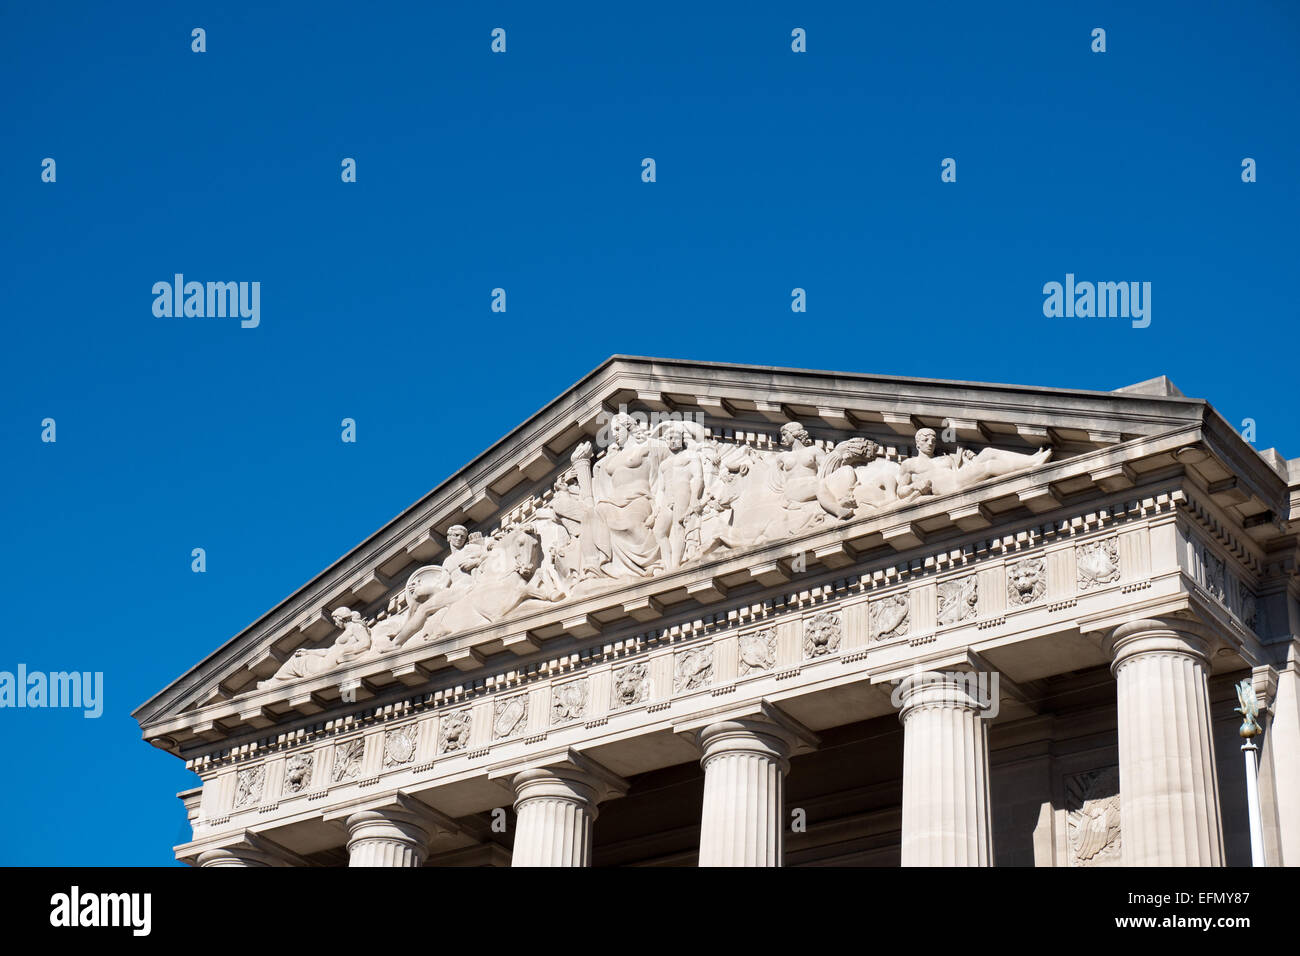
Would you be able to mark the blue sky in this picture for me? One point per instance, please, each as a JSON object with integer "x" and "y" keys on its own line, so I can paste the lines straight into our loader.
{"x": 522, "y": 170}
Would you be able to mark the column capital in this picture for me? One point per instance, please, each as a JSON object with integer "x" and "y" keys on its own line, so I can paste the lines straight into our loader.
{"x": 248, "y": 849}
{"x": 565, "y": 775}
{"x": 762, "y": 729}
{"x": 951, "y": 689}
{"x": 394, "y": 830}
{"x": 1167, "y": 635}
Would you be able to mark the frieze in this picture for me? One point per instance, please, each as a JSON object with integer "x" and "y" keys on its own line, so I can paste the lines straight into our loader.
{"x": 650, "y": 501}
{"x": 631, "y": 680}
{"x": 757, "y": 651}
{"x": 347, "y": 760}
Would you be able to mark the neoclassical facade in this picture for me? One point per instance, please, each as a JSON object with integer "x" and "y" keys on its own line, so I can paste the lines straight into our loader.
{"x": 744, "y": 616}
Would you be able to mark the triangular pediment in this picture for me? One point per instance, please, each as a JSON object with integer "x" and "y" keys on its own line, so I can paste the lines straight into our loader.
{"x": 579, "y": 521}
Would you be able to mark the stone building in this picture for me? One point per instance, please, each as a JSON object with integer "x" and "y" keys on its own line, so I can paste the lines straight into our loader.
{"x": 732, "y": 615}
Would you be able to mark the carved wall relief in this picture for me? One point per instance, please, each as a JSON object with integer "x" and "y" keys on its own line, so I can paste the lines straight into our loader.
{"x": 249, "y": 783}
{"x": 509, "y": 716}
{"x": 1214, "y": 575}
{"x": 399, "y": 745}
{"x": 347, "y": 760}
{"x": 569, "y": 700}
{"x": 653, "y": 499}
{"x": 693, "y": 669}
{"x": 1249, "y": 607}
{"x": 453, "y": 733}
{"x": 1092, "y": 819}
{"x": 1097, "y": 563}
{"x": 958, "y": 600}
{"x": 297, "y": 772}
{"x": 631, "y": 685}
{"x": 889, "y": 617}
{"x": 1026, "y": 582}
{"x": 821, "y": 635}
{"x": 757, "y": 651}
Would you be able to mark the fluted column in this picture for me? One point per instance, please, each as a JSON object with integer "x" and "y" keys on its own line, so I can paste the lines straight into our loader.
{"x": 232, "y": 856}
{"x": 386, "y": 838}
{"x": 745, "y": 760}
{"x": 556, "y": 804}
{"x": 946, "y": 811}
{"x": 1169, "y": 794}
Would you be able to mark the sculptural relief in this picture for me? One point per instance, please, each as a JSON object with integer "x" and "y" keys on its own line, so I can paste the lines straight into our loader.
{"x": 569, "y": 701}
{"x": 821, "y": 635}
{"x": 353, "y": 643}
{"x": 1249, "y": 607}
{"x": 889, "y": 617}
{"x": 249, "y": 783}
{"x": 399, "y": 745}
{"x": 651, "y": 501}
{"x": 693, "y": 669}
{"x": 1026, "y": 581}
{"x": 453, "y": 732}
{"x": 958, "y": 600}
{"x": 347, "y": 759}
{"x": 1093, "y": 817}
{"x": 1214, "y": 575}
{"x": 757, "y": 651}
{"x": 631, "y": 685}
{"x": 297, "y": 772}
{"x": 1097, "y": 563}
{"x": 932, "y": 474}
{"x": 509, "y": 716}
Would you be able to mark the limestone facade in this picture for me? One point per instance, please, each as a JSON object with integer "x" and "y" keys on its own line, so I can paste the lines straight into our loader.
{"x": 739, "y": 616}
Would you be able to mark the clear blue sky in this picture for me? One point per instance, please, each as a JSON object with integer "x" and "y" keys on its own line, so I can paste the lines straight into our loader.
{"x": 522, "y": 171}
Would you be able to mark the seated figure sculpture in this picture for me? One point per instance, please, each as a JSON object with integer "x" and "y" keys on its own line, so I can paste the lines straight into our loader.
{"x": 432, "y": 588}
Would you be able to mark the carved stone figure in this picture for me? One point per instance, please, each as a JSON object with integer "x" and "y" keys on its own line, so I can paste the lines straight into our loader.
{"x": 248, "y": 786}
{"x": 569, "y": 701}
{"x": 779, "y": 495}
{"x": 347, "y": 760}
{"x": 453, "y": 733}
{"x": 495, "y": 594}
{"x": 855, "y": 472}
{"x": 1214, "y": 574}
{"x": 617, "y": 534}
{"x": 757, "y": 651}
{"x": 821, "y": 635}
{"x": 297, "y": 772}
{"x": 350, "y": 645}
{"x": 1249, "y": 607}
{"x": 678, "y": 494}
{"x": 1097, "y": 563}
{"x": 631, "y": 685}
{"x": 958, "y": 600}
{"x": 693, "y": 669}
{"x": 430, "y": 589}
{"x": 509, "y": 716}
{"x": 1093, "y": 817}
{"x": 399, "y": 745}
{"x": 889, "y": 617}
{"x": 931, "y": 474}
{"x": 1026, "y": 581}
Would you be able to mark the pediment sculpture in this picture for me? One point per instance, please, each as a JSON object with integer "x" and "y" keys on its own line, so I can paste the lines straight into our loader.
{"x": 654, "y": 499}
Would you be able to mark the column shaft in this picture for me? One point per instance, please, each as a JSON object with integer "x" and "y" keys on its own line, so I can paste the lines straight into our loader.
{"x": 946, "y": 809}
{"x": 1169, "y": 794}
{"x": 745, "y": 762}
